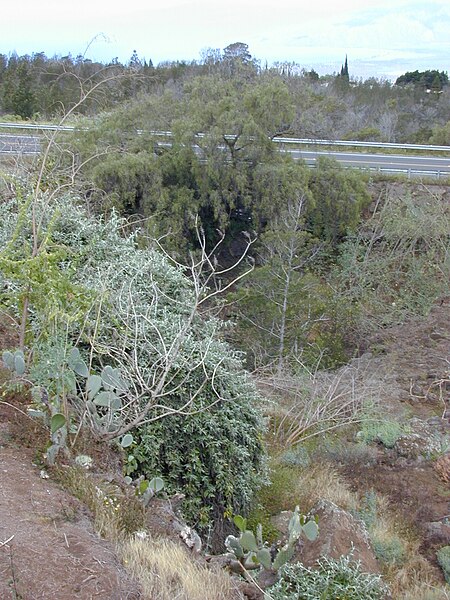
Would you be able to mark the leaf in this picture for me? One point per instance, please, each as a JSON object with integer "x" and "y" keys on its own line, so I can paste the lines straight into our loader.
{"x": 311, "y": 530}
{"x": 264, "y": 557}
{"x": 282, "y": 557}
{"x": 58, "y": 420}
{"x": 248, "y": 541}
{"x": 127, "y": 440}
{"x": 127, "y": 480}
{"x": 93, "y": 385}
{"x": 80, "y": 368}
{"x": 8, "y": 359}
{"x": 240, "y": 522}
{"x": 109, "y": 376}
{"x": 19, "y": 363}
{"x": 74, "y": 355}
{"x": 143, "y": 486}
{"x": 234, "y": 546}
{"x": 77, "y": 364}
{"x": 107, "y": 399}
{"x": 156, "y": 484}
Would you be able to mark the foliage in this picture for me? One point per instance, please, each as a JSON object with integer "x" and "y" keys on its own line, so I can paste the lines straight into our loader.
{"x": 384, "y": 432}
{"x": 398, "y": 264}
{"x": 214, "y": 457}
{"x": 284, "y": 310}
{"x": 429, "y": 80}
{"x": 331, "y": 579}
{"x": 143, "y": 320}
{"x": 251, "y": 552}
{"x": 340, "y": 197}
{"x": 297, "y": 456}
{"x": 443, "y": 558}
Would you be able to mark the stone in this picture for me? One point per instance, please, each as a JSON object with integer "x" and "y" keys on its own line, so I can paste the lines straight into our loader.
{"x": 340, "y": 534}
{"x": 442, "y": 467}
{"x": 437, "y": 533}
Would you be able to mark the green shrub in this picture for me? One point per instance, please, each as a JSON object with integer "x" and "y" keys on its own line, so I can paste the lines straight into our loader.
{"x": 296, "y": 457}
{"x": 332, "y": 580}
{"x": 214, "y": 457}
{"x": 389, "y": 550}
{"x": 385, "y": 432}
{"x": 443, "y": 558}
{"x": 212, "y": 449}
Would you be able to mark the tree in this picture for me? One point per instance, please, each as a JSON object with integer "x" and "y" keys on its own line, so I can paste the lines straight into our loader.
{"x": 340, "y": 196}
{"x": 17, "y": 93}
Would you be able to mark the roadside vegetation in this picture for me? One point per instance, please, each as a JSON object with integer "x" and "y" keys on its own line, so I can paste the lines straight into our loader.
{"x": 200, "y": 314}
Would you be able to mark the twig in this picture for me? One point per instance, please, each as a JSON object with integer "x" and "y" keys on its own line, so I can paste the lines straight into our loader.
{"x": 6, "y": 541}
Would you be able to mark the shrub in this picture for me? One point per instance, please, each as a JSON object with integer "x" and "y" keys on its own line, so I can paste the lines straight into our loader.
{"x": 443, "y": 558}
{"x": 332, "y": 579}
{"x": 296, "y": 457}
{"x": 202, "y": 429}
{"x": 385, "y": 432}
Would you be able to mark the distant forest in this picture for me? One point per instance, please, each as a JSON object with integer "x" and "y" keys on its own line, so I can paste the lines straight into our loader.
{"x": 414, "y": 109}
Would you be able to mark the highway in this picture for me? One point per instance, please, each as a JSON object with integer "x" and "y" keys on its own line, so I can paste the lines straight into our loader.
{"x": 19, "y": 144}
{"x": 413, "y": 166}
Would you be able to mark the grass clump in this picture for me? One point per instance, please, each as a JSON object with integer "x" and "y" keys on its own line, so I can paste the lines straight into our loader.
{"x": 166, "y": 571}
{"x": 115, "y": 514}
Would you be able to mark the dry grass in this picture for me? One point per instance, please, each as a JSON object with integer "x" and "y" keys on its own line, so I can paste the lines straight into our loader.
{"x": 310, "y": 404}
{"x": 426, "y": 591}
{"x": 115, "y": 514}
{"x": 323, "y": 482}
{"x": 166, "y": 572}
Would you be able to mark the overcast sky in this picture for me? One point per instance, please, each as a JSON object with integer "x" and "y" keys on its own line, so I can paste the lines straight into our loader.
{"x": 381, "y": 38}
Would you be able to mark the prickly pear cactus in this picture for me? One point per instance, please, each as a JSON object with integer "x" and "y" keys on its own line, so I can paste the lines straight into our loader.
{"x": 251, "y": 552}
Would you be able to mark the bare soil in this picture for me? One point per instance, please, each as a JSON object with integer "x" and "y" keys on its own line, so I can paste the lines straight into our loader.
{"x": 413, "y": 359}
{"x": 48, "y": 548}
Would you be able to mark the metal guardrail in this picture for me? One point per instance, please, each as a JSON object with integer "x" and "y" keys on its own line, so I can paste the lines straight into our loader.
{"x": 277, "y": 140}
{"x": 410, "y": 173}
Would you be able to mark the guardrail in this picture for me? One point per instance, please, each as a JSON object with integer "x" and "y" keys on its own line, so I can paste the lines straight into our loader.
{"x": 277, "y": 140}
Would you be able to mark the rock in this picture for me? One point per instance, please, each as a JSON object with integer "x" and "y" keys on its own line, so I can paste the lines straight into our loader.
{"x": 422, "y": 442}
{"x": 339, "y": 534}
{"x": 442, "y": 467}
{"x": 437, "y": 533}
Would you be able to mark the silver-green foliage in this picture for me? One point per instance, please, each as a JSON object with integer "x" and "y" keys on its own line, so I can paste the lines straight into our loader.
{"x": 443, "y": 558}
{"x": 331, "y": 579}
{"x": 203, "y": 430}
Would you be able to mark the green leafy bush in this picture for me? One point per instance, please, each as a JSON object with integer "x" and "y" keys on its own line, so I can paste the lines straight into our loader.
{"x": 389, "y": 550}
{"x": 332, "y": 579}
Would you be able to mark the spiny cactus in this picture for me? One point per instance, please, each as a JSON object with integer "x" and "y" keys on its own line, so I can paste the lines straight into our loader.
{"x": 251, "y": 552}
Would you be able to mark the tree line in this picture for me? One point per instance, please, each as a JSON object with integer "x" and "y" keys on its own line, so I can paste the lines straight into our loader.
{"x": 334, "y": 106}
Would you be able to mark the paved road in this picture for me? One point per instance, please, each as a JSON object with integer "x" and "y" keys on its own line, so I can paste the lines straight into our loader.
{"x": 413, "y": 165}
{"x": 383, "y": 162}
{"x": 19, "y": 144}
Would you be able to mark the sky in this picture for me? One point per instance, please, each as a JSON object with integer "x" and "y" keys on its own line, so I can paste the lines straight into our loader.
{"x": 382, "y": 38}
